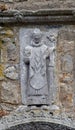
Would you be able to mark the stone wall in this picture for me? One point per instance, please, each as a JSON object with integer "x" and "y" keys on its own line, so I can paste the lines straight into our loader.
{"x": 38, "y": 4}
{"x": 62, "y": 89}
{"x": 9, "y": 69}
{"x": 65, "y": 63}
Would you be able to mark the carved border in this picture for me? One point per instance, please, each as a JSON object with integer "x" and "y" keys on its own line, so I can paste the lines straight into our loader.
{"x": 24, "y": 115}
{"x": 47, "y": 16}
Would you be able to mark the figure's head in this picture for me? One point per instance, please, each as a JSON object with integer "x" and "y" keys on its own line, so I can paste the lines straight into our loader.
{"x": 37, "y": 34}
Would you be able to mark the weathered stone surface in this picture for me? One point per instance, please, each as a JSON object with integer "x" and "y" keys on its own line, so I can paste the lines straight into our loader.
{"x": 62, "y": 68}
{"x": 38, "y": 4}
{"x": 35, "y": 57}
{"x": 27, "y": 45}
{"x": 1, "y": 72}
{"x": 3, "y": 113}
{"x": 8, "y": 107}
{"x": 11, "y": 72}
{"x": 37, "y": 16}
{"x": 62, "y": 73}
{"x": 43, "y": 4}
{"x": 23, "y": 115}
{"x": 9, "y": 92}
{"x": 7, "y": 1}
{"x": 8, "y": 46}
{"x": 65, "y": 63}
{"x": 3, "y": 7}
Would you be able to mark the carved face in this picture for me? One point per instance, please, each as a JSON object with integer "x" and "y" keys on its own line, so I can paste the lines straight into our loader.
{"x": 37, "y": 39}
{"x": 37, "y": 36}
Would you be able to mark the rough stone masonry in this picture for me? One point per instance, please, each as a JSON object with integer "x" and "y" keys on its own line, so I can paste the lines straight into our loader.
{"x": 21, "y": 100}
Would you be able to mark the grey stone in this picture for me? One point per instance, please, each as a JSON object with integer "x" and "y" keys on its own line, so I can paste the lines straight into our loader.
{"x": 8, "y": 107}
{"x": 25, "y": 40}
{"x": 11, "y": 52}
{"x": 7, "y": 1}
{"x": 9, "y": 92}
{"x": 11, "y": 72}
{"x": 38, "y": 17}
{"x": 67, "y": 63}
{"x": 21, "y": 116}
{"x": 35, "y": 57}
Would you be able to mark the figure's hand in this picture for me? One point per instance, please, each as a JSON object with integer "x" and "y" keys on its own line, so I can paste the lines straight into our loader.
{"x": 27, "y": 53}
{"x": 52, "y": 48}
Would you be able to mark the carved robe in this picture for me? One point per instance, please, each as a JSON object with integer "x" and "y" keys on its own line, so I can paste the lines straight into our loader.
{"x": 37, "y": 88}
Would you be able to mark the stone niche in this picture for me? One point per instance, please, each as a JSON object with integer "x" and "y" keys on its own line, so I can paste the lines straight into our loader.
{"x": 37, "y": 72}
{"x": 60, "y": 72}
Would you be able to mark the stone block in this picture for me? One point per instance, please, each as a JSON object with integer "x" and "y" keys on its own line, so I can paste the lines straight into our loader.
{"x": 11, "y": 72}
{"x": 10, "y": 93}
{"x": 65, "y": 49}
{"x": 67, "y": 63}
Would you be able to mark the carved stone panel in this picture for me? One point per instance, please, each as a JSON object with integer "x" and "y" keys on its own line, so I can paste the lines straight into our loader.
{"x": 37, "y": 49}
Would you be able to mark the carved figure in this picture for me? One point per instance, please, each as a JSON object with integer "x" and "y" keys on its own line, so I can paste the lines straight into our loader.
{"x": 35, "y": 57}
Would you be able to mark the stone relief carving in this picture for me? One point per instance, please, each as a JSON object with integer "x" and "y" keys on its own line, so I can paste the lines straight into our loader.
{"x": 37, "y": 67}
{"x": 35, "y": 56}
{"x": 18, "y": 16}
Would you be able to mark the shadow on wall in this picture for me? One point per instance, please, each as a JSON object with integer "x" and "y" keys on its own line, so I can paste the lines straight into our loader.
{"x": 40, "y": 126}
